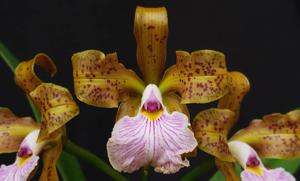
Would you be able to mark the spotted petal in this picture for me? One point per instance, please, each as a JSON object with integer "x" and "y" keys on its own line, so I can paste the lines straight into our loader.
{"x": 238, "y": 88}
{"x": 211, "y": 128}
{"x": 172, "y": 103}
{"x": 25, "y": 76}
{"x": 228, "y": 170}
{"x": 13, "y": 130}
{"x": 56, "y": 105}
{"x": 130, "y": 107}
{"x": 275, "y": 136}
{"x": 199, "y": 77}
{"x": 101, "y": 80}
{"x": 50, "y": 157}
{"x": 151, "y": 33}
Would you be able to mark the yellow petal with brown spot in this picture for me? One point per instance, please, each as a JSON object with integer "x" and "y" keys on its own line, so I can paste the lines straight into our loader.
{"x": 228, "y": 170}
{"x": 101, "y": 80}
{"x": 13, "y": 130}
{"x": 199, "y": 77}
{"x": 275, "y": 136}
{"x": 238, "y": 87}
{"x": 25, "y": 76}
{"x": 151, "y": 33}
{"x": 129, "y": 107}
{"x": 56, "y": 105}
{"x": 172, "y": 103}
{"x": 211, "y": 127}
{"x": 50, "y": 158}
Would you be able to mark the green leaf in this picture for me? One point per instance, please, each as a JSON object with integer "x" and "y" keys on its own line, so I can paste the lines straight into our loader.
{"x": 8, "y": 58}
{"x": 291, "y": 166}
{"x": 68, "y": 166}
{"x": 199, "y": 170}
{"x": 93, "y": 160}
{"x": 218, "y": 176}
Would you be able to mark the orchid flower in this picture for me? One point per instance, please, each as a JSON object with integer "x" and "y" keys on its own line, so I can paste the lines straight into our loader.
{"x": 152, "y": 124}
{"x": 275, "y": 136}
{"x": 29, "y": 138}
{"x": 253, "y": 166}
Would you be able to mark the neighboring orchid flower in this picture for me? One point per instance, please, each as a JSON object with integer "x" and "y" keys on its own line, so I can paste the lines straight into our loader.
{"x": 26, "y": 161}
{"x": 12, "y": 131}
{"x": 276, "y": 136}
{"x": 57, "y": 107}
{"x": 152, "y": 125}
{"x": 253, "y": 166}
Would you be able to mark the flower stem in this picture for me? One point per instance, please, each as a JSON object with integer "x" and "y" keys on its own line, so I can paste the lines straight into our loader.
{"x": 91, "y": 158}
{"x": 144, "y": 176}
{"x": 199, "y": 170}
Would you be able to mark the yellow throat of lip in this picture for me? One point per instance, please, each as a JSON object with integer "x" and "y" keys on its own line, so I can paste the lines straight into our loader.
{"x": 22, "y": 161}
{"x": 256, "y": 170}
{"x": 152, "y": 116}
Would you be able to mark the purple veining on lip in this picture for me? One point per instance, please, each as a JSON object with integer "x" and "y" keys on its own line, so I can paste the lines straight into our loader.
{"x": 24, "y": 152}
{"x": 252, "y": 161}
{"x": 152, "y": 104}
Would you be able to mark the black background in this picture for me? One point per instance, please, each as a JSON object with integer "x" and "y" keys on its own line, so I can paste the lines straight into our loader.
{"x": 260, "y": 39}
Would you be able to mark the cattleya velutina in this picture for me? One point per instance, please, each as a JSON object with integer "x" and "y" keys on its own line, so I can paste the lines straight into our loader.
{"x": 275, "y": 136}
{"x": 152, "y": 124}
{"x": 29, "y": 138}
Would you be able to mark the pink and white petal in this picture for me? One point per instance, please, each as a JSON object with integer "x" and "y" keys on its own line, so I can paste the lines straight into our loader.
{"x": 278, "y": 174}
{"x": 173, "y": 138}
{"x": 127, "y": 146}
{"x": 138, "y": 141}
{"x": 17, "y": 172}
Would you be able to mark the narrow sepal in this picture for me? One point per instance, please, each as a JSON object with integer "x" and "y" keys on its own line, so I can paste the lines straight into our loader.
{"x": 50, "y": 158}
{"x": 151, "y": 33}
{"x": 227, "y": 169}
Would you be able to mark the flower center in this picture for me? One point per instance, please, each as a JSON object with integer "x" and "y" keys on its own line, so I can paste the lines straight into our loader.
{"x": 252, "y": 161}
{"x": 152, "y": 106}
{"x": 24, "y": 152}
{"x": 253, "y": 165}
